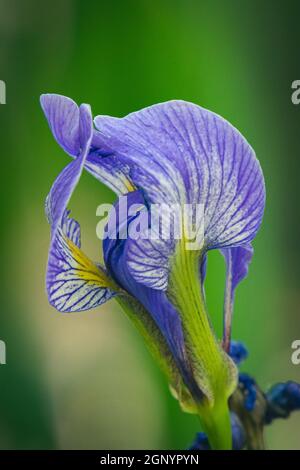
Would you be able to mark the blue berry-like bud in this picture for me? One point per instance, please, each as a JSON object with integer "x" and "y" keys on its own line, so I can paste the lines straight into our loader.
{"x": 238, "y": 352}
{"x": 250, "y": 392}
{"x": 200, "y": 442}
{"x": 283, "y": 398}
{"x": 238, "y": 433}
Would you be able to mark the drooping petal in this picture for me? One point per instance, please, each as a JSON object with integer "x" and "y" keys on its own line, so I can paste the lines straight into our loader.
{"x": 237, "y": 264}
{"x": 74, "y": 283}
{"x": 180, "y": 153}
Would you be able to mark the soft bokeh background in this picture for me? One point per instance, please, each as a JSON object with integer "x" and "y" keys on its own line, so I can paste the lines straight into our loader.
{"x": 86, "y": 381}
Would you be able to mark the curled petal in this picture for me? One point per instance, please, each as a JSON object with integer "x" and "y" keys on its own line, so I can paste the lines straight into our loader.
{"x": 67, "y": 125}
{"x": 62, "y": 114}
{"x": 67, "y": 180}
{"x": 74, "y": 283}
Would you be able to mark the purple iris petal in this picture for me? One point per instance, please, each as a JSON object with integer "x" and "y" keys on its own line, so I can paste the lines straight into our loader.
{"x": 203, "y": 269}
{"x": 181, "y": 153}
{"x": 62, "y": 114}
{"x": 237, "y": 264}
{"x": 148, "y": 255}
{"x": 64, "y": 118}
{"x": 73, "y": 282}
{"x": 67, "y": 180}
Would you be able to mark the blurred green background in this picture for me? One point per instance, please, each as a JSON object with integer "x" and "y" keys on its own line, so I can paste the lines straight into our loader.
{"x": 86, "y": 381}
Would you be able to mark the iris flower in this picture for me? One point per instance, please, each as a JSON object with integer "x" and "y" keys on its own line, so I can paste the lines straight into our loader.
{"x": 170, "y": 153}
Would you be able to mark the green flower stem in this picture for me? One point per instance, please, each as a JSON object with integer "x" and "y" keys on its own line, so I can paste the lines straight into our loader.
{"x": 217, "y": 426}
{"x": 214, "y": 372}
